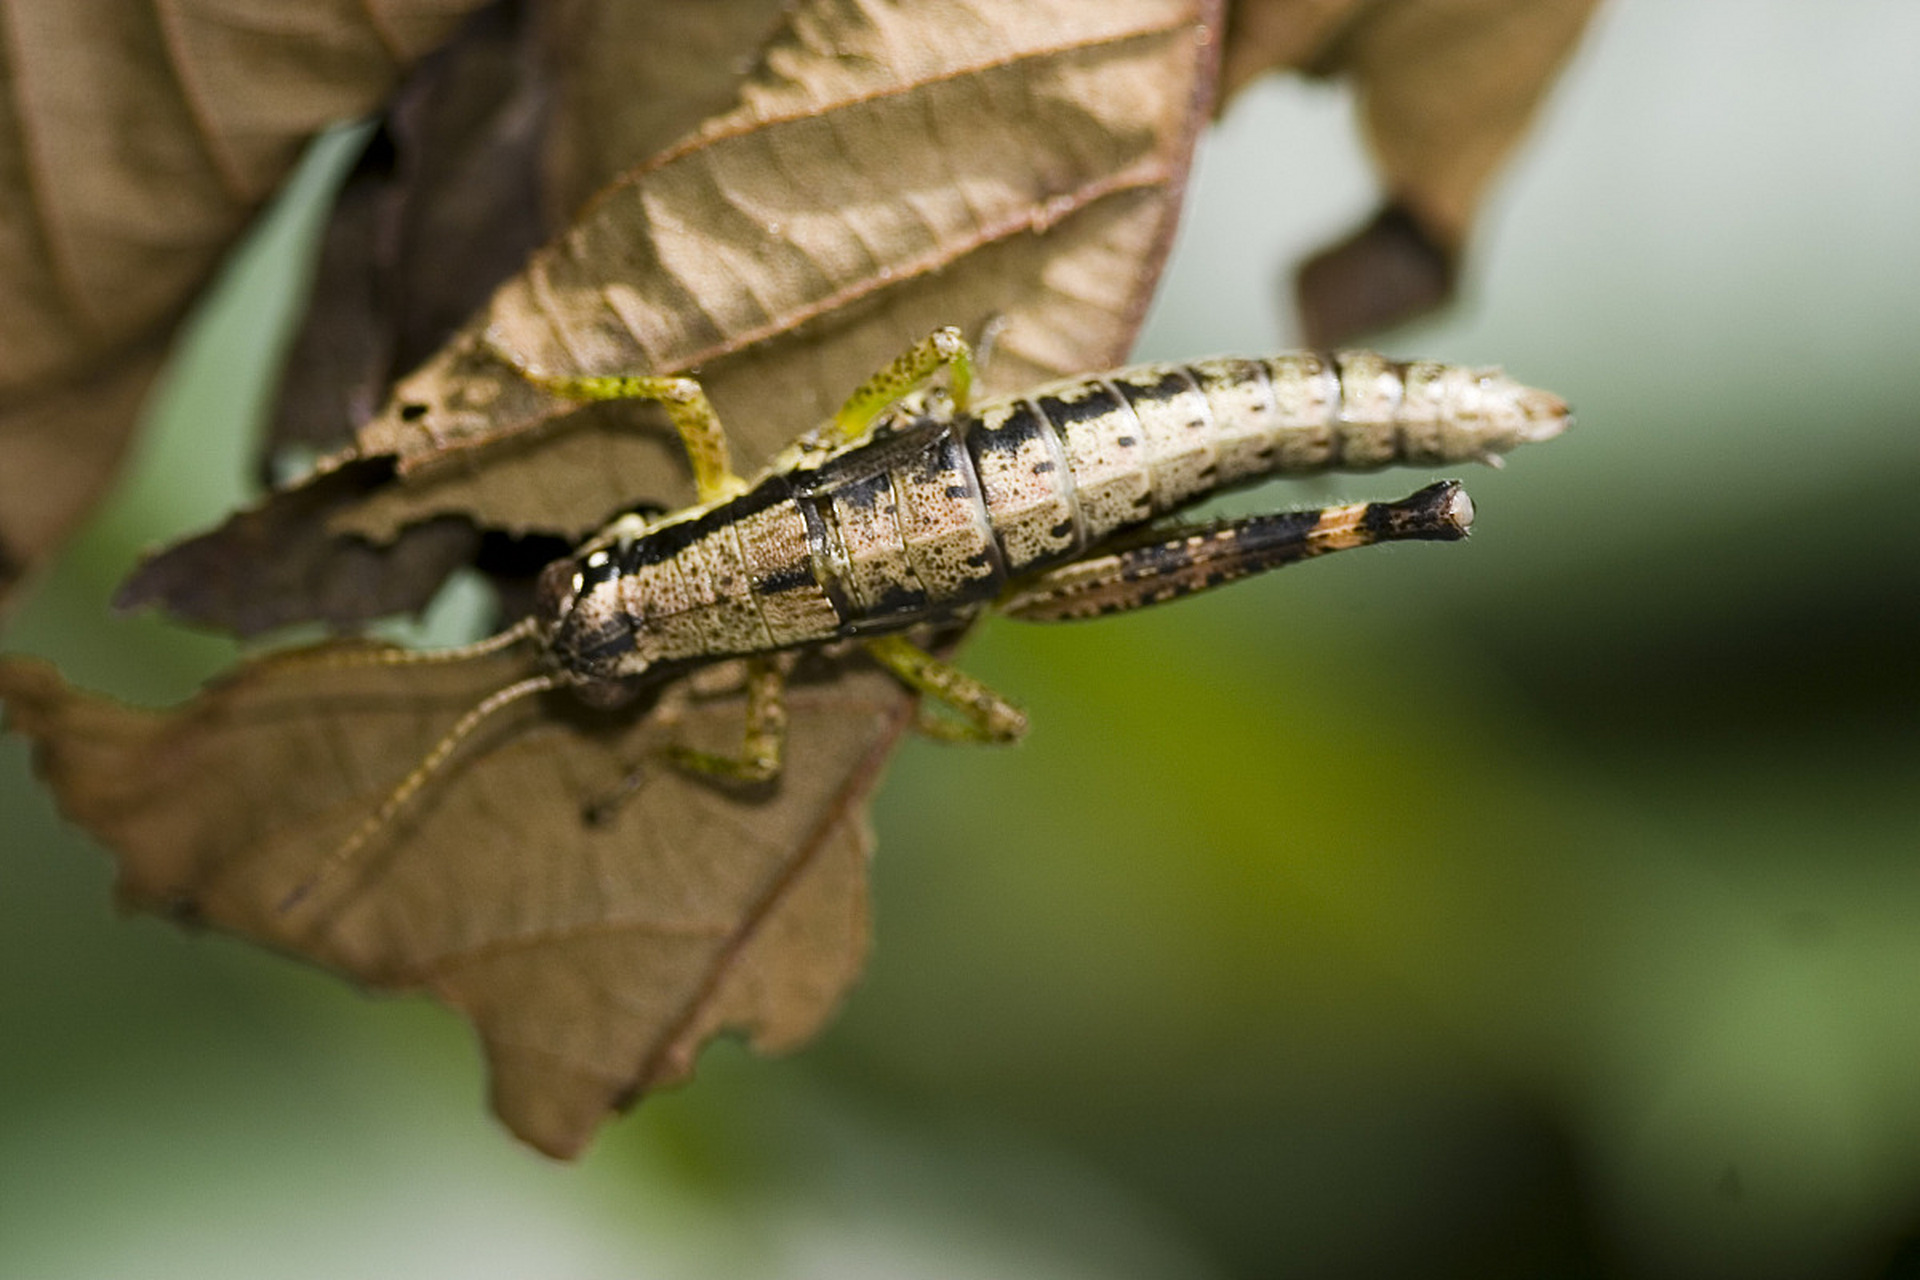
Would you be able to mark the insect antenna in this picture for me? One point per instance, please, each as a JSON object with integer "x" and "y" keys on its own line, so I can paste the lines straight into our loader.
{"x": 431, "y": 763}
{"x": 438, "y": 755}
{"x": 396, "y": 656}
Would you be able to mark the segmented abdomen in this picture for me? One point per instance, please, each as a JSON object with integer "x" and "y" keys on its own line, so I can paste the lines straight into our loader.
{"x": 934, "y": 518}
{"x": 1067, "y": 465}
{"x": 935, "y": 521}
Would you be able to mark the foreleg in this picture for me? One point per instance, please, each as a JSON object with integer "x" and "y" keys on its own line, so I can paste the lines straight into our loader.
{"x": 686, "y": 406}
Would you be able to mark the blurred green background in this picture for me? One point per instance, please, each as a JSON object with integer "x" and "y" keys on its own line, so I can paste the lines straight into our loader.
{"x": 1547, "y": 905}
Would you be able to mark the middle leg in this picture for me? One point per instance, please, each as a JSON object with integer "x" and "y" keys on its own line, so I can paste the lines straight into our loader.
{"x": 686, "y": 406}
{"x": 982, "y": 715}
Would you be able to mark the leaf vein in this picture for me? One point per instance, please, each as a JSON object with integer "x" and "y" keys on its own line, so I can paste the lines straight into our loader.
{"x": 220, "y": 157}
{"x": 61, "y": 253}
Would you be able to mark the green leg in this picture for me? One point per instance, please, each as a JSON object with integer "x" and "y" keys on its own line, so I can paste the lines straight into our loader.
{"x": 692, "y": 414}
{"x": 766, "y": 738}
{"x": 984, "y": 716}
{"x": 943, "y": 348}
{"x": 761, "y": 750}
{"x": 687, "y": 408}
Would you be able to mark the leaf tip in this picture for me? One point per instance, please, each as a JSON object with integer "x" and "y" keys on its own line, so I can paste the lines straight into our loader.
{"x": 1389, "y": 272}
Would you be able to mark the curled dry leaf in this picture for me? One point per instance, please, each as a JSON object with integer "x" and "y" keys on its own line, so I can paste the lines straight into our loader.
{"x": 128, "y": 166}
{"x": 1446, "y": 88}
{"x": 885, "y": 170}
{"x": 1386, "y": 272}
{"x": 443, "y": 204}
{"x": 593, "y": 955}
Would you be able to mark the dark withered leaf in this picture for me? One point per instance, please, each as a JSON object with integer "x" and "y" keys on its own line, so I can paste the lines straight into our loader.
{"x": 443, "y": 204}
{"x": 242, "y": 574}
{"x": 338, "y": 365}
{"x": 1386, "y": 273}
{"x": 593, "y": 955}
{"x": 1446, "y": 89}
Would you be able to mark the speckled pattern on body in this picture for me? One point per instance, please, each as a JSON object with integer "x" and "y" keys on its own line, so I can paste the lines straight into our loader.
{"x": 936, "y": 513}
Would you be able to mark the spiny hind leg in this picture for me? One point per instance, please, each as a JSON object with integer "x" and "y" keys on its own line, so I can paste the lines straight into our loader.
{"x": 1152, "y": 568}
{"x": 980, "y": 714}
{"x": 686, "y": 406}
{"x": 942, "y": 349}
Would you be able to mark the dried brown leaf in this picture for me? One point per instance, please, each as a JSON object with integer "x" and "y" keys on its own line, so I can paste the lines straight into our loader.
{"x": 340, "y": 359}
{"x": 1386, "y": 272}
{"x": 135, "y": 143}
{"x": 891, "y": 171}
{"x": 1446, "y": 89}
{"x": 593, "y": 958}
{"x": 886, "y": 170}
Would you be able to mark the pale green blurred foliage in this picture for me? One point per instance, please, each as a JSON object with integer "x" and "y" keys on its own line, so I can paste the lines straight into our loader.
{"x": 1544, "y": 904}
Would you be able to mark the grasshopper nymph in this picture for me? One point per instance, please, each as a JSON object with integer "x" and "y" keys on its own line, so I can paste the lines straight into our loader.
{"x": 910, "y": 507}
